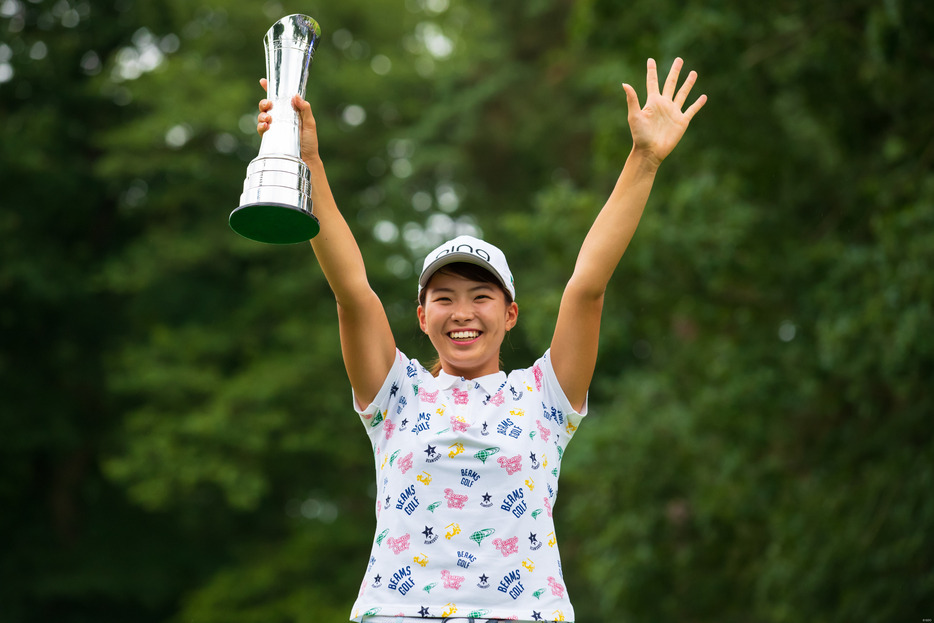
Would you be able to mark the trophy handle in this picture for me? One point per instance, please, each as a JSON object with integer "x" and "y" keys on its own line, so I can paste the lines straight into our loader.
{"x": 275, "y": 206}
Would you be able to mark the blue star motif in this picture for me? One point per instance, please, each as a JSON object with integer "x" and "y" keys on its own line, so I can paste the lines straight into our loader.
{"x": 537, "y": 616}
{"x": 423, "y": 612}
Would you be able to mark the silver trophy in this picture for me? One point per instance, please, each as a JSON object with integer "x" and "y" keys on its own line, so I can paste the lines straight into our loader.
{"x": 275, "y": 206}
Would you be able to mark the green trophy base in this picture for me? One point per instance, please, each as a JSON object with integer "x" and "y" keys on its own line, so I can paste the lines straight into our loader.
{"x": 274, "y": 223}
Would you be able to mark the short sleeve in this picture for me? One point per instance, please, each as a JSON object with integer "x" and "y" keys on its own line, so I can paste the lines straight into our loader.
{"x": 554, "y": 395}
{"x": 377, "y": 411}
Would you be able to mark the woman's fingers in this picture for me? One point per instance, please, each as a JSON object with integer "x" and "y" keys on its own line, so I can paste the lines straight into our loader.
{"x": 265, "y": 105}
{"x": 685, "y": 89}
{"x": 651, "y": 77}
{"x": 672, "y": 81}
{"x": 632, "y": 99}
{"x": 697, "y": 105}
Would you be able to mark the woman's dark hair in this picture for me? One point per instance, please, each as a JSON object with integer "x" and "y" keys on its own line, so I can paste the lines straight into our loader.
{"x": 472, "y": 272}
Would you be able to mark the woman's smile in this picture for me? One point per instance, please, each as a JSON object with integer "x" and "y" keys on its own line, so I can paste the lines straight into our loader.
{"x": 464, "y": 337}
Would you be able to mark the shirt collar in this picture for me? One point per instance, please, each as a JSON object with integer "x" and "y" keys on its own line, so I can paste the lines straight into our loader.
{"x": 491, "y": 383}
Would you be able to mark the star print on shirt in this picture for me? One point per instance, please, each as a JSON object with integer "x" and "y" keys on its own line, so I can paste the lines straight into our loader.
{"x": 430, "y": 451}
{"x": 532, "y": 538}
{"x": 484, "y": 578}
{"x": 423, "y": 612}
{"x": 428, "y": 532}
{"x": 377, "y": 579}
{"x": 536, "y": 616}
{"x": 487, "y": 497}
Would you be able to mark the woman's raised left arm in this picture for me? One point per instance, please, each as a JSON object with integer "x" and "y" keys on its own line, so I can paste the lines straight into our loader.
{"x": 656, "y": 130}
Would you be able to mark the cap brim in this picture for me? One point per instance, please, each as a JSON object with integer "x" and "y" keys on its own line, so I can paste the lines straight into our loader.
{"x": 452, "y": 258}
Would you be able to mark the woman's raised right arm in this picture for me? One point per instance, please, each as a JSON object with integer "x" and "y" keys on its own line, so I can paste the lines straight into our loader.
{"x": 367, "y": 343}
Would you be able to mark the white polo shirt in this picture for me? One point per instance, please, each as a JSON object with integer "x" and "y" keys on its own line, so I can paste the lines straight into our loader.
{"x": 467, "y": 478}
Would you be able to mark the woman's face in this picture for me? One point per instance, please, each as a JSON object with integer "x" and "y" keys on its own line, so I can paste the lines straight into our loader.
{"x": 466, "y": 322}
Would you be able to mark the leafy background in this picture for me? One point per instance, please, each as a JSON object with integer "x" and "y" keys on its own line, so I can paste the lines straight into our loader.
{"x": 176, "y": 438}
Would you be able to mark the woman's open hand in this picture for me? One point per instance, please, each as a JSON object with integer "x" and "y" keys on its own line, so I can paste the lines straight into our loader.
{"x": 659, "y": 125}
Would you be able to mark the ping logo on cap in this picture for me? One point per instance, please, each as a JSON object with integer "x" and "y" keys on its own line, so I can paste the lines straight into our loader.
{"x": 464, "y": 248}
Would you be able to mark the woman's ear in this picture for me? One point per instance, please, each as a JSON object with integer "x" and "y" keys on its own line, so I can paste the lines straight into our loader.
{"x": 512, "y": 315}
{"x": 420, "y": 312}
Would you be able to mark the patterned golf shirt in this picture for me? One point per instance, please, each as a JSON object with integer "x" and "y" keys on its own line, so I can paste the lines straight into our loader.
{"x": 467, "y": 478}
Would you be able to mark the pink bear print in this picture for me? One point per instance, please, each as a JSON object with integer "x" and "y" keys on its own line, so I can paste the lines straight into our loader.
{"x": 511, "y": 465}
{"x": 452, "y": 581}
{"x": 539, "y": 375}
{"x": 544, "y": 432}
{"x": 398, "y": 545}
{"x": 507, "y": 547}
{"x": 460, "y": 396}
{"x": 389, "y": 426}
{"x": 406, "y": 463}
{"x": 556, "y": 589}
{"x": 498, "y": 399}
{"x": 428, "y": 397}
{"x": 454, "y": 500}
{"x": 458, "y": 424}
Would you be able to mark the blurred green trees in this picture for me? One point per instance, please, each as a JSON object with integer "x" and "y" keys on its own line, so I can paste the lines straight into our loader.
{"x": 176, "y": 436}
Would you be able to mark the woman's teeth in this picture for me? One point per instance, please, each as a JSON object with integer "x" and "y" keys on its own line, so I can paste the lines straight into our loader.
{"x": 464, "y": 335}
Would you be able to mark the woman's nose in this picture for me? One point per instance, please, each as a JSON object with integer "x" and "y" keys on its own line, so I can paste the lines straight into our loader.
{"x": 462, "y": 311}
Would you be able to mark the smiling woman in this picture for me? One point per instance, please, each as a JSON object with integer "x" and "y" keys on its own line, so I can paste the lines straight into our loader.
{"x": 466, "y": 311}
{"x": 505, "y": 434}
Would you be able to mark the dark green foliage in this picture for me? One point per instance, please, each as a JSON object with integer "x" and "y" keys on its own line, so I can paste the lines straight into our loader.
{"x": 176, "y": 435}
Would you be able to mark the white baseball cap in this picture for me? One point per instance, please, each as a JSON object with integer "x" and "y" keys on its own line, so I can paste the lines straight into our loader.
{"x": 472, "y": 251}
